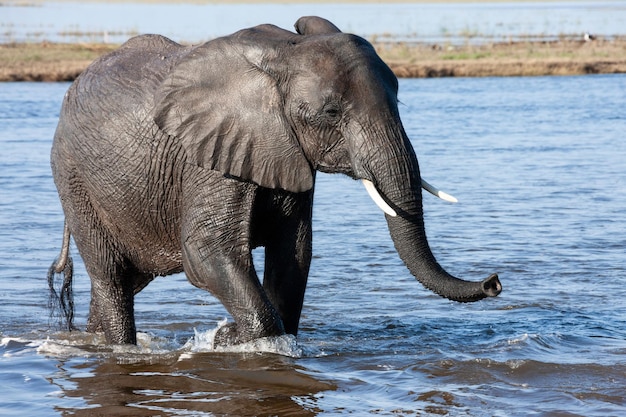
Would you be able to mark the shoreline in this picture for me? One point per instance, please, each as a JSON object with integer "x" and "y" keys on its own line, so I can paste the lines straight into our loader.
{"x": 502, "y": 59}
{"x": 45, "y": 61}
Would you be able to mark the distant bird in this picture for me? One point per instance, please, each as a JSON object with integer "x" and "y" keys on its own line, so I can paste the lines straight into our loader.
{"x": 588, "y": 37}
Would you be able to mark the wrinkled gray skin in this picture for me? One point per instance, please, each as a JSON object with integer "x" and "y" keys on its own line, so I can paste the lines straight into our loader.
{"x": 170, "y": 158}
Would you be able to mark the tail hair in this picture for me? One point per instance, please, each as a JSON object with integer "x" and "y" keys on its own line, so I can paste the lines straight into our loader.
{"x": 61, "y": 304}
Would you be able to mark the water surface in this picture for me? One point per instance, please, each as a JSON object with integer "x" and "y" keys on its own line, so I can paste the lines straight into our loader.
{"x": 116, "y": 22}
{"x": 538, "y": 167}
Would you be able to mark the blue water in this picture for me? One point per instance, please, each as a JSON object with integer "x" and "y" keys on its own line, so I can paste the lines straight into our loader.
{"x": 116, "y": 21}
{"x": 539, "y": 168}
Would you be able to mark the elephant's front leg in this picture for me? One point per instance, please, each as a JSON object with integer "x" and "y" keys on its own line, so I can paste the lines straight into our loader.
{"x": 217, "y": 258}
{"x": 231, "y": 278}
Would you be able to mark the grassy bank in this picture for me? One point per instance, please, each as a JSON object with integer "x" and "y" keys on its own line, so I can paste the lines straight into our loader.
{"x": 560, "y": 57}
{"x": 47, "y": 61}
{"x": 63, "y": 62}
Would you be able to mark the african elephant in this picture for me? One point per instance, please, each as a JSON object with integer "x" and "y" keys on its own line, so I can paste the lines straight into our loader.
{"x": 171, "y": 158}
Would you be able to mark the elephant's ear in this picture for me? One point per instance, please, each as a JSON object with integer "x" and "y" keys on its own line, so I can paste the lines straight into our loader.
{"x": 313, "y": 25}
{"x": 228, "y": 114}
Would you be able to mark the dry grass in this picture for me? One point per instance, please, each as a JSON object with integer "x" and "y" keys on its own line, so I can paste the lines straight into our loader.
{"x": 47, "y": 61}
{"x": 63, "y": 62}
{"x": 563, "y": 57}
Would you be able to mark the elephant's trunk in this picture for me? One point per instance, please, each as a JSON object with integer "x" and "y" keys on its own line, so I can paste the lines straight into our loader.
{"x": 407, "y": 230}
{"x": 410, "y": 241}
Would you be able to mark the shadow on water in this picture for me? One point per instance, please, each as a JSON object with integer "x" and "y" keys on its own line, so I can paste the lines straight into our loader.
{"x": 195, "y": 384}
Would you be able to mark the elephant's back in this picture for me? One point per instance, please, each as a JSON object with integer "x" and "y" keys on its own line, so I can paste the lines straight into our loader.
{"x": 139, "y": 65}
{"x": 124, "y": 80}
{"x": 109, "y": 105}
{"x": 143, "y": 57}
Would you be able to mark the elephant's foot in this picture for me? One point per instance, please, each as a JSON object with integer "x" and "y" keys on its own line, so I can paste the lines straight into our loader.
{"x": 231, "y": 334}
{"x": 94, "y": 325}
{"x": 124, "y": 334}
{"x": 227, "y": 336}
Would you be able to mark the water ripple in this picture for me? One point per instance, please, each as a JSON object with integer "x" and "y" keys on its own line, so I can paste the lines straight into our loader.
{"x": 531, "y": 170}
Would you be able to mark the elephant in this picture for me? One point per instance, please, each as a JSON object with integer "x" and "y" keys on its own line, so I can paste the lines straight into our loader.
{"x": 171, "y": 158}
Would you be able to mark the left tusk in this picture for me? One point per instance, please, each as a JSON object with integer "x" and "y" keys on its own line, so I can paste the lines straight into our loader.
{"x": 438, "y": 193}
{"x": 373, "y": 192}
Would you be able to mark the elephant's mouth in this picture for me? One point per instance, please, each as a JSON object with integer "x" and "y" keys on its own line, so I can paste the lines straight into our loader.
{"x": 382, "y": 204}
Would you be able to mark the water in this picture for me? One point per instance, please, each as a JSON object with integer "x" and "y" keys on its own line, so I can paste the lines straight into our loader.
{"x": 115, "y": 22}
{"x": 538, "y": 167}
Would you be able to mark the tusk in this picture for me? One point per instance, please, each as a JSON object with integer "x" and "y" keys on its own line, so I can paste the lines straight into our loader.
{"x": 438, "y": 193}
{"x": 371, "y": 190}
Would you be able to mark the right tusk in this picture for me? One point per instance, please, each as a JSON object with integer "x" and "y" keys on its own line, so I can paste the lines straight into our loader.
{"x": 438, "y": 193}
{"x": 373, "y": 192}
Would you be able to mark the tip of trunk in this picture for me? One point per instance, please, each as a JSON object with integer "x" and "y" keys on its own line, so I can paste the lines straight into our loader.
{"x": 474, "y": 291}
{"x": 491, "y": 286}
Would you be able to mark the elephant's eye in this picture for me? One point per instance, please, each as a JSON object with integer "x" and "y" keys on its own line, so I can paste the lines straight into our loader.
{"x": 332, "y": 112}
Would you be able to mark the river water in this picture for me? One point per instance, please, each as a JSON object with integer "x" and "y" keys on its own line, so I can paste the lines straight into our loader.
{"x": 538, "y": 166}
{"x": 75, "y": 21}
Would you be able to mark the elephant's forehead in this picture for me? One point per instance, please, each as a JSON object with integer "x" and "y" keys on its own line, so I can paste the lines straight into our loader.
{"x": 338, "y": 45}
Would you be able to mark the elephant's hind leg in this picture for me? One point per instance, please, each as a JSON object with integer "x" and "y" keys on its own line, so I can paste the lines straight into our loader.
{"x": 112, "y": 276}
{"x": 284, "y": 229}
{"x": 102, "y": 321}
{"x": 287, "y": 262}
{"x": 112, "y": 309}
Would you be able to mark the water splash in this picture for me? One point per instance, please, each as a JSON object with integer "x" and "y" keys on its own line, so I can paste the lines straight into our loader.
{"x": 81, "y": 344}
{"x": 285, "y": 345}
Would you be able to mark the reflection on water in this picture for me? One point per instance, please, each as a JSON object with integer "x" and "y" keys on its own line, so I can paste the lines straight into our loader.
{"x": 538, "y": 167}
{"x": 204, "y": 384}
{"x": 156, "y": 376}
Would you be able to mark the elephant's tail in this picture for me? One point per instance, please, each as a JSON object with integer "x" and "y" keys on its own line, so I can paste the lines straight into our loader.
{"x": 62, "y": 303}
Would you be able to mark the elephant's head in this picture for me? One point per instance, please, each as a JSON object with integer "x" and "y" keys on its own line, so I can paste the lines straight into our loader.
{"x": 270, "y": 106}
